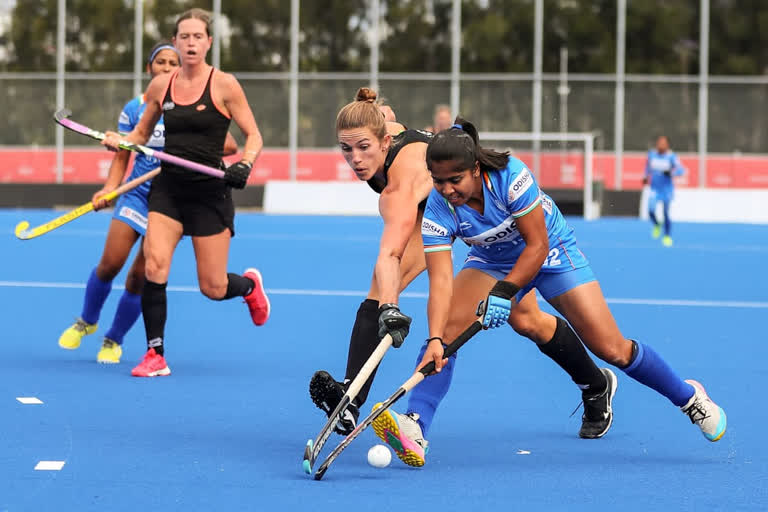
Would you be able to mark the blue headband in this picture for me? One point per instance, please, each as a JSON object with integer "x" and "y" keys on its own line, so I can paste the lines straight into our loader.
{"x": 161, "y": 48}
{"x": 458, "y": 126}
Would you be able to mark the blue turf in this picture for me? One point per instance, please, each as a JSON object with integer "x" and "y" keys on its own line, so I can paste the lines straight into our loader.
{"x": 227, "y": 430}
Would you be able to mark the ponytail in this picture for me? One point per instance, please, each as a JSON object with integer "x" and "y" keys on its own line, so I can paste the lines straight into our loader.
{"x": 460, "y": 142}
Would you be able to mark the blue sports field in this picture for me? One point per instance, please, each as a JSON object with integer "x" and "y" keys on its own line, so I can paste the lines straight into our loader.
{"x": 226, "y": 431}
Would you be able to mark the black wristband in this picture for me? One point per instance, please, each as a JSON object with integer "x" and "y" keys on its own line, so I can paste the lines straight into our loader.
{"x": 505, "y": 289}
{"x": 435, "y": 338}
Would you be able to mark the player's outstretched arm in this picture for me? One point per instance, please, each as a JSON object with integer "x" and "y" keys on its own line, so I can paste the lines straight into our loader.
{"x": 440, "y": 271}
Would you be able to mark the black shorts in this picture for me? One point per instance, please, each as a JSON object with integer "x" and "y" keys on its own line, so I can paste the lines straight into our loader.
{"x": 203, "y": 208}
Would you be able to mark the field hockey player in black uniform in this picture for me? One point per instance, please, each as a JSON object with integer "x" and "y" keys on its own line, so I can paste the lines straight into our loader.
{"x": 197, "y": 103}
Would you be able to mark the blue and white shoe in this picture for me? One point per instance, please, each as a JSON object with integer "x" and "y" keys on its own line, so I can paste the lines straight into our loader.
{"x": 705, "y": 413}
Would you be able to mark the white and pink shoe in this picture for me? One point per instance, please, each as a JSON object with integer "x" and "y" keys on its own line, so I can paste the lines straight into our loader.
{"x": 403, "y": 434}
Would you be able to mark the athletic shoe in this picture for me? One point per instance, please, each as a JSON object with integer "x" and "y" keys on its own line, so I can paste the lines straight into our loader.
{"x": 326, "y": 393}
{"x": 598, "y": 411}
{"x": 153, "y": 365}
{"x": 71, "y": 338}
{"x": 257, "y": 300}
{"x": 402, "y": 433}
{"x": 705, "y": 413}
{"x": 666, "y": 241}
{"x": 656, "y": 233}
{"x": 110, "y": 352}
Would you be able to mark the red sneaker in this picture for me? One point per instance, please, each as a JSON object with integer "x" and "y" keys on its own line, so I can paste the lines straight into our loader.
{"x": 257, "y": 300}
{"x": 153, "y": 365}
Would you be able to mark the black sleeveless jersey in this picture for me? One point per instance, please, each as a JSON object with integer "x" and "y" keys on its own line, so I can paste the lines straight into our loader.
{"x": 399, "y": 141}
{"x": 196, "y": 132}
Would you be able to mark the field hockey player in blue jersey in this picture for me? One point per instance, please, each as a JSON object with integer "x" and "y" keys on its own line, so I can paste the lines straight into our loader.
{"x": 392, "y": 161}
{"x": 661, "y": 166}
{"x": 519, "y": 241}
{"x": 129, "y": 223}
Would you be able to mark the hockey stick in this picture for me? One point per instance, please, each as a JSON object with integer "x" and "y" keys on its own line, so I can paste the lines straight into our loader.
{"x": 24, "y": 233}
{"x": 62, "y": 117}
{"x": 409, "y": 384}
{"x": 313, "y": 448}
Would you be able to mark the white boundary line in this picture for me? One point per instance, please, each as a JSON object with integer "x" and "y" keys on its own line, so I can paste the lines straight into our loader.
{"x": 413, "y": 295}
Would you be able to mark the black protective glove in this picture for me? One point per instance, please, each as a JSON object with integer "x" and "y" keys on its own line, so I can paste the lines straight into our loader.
{"x": 236, "y": 175}
{"x": 394, "y": 323}
{"x": 668, "y": 174}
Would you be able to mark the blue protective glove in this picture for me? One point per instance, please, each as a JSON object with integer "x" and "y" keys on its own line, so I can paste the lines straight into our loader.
{"x": 496, "y": 307}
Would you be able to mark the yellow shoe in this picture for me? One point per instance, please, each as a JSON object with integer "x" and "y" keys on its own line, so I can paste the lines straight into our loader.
{"x": 71, "y": 338}
{"x": 110, "y": 352}
{"x": 656, "y": 231}
{"x": 666, "y": 241}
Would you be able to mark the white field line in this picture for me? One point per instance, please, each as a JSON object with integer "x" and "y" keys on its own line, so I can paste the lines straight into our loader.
{"x": 412, "y": 295}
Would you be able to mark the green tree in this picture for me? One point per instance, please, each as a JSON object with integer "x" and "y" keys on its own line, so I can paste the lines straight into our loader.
{"x": 410, "y": 24}
{"x": 333, "y": 36}
{"x": 497, "y": 37}
{"x": 738, "y": 37}
{"x": 32, "y": 36}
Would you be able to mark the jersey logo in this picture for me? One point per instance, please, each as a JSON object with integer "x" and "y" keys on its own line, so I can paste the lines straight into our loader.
{"x": 504, "y": 232}
{"x": 124, "y": 119}
{"x": 429, "y": 227}
{"x": 168, "y": 105}
{"x": 521, "y": 184}
{"x": 465, "y": 225}
{"x": 200, "y": 107}
{"x": 546, "y": 203}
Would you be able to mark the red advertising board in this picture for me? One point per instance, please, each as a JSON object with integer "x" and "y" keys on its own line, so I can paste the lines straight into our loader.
{"x": 557, "y": 170}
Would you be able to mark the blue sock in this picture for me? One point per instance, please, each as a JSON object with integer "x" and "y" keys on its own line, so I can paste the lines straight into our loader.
{"x": 96, "y": 292}
{"x": 667, "y": 222}
{"x": 425, "y": 397}
{"x": 650, "y": 369}
{"x": 128, "y": 310}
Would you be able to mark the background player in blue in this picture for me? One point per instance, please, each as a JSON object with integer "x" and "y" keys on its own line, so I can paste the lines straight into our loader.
{"x": 660, "y": 168}
{"x": 519, "y": 241}
{"x": 129, "y": 222}
{"x": 392, "y": 161}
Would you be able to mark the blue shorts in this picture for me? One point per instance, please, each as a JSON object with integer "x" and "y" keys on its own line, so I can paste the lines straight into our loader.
{"x": 664, "y": 195}
{"x": 132, "y": 208}
{"x": 549, "y": 284}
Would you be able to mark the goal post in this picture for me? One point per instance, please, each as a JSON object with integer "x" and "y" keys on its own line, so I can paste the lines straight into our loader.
{"x": 514, "y": 142}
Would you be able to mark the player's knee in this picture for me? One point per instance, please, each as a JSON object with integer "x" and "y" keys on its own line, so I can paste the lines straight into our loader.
{"x": 134, "y": 282}
{"x": 107, "y": 269}
{"x": 156, "y": 268}
{"x": 531, "y": 325}
{"x": 213, "y": 289}
{"x": 618, "y": 354}
{"x": 523, "y": 324}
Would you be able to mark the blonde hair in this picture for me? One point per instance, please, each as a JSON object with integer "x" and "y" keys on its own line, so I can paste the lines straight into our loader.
{"x": 195, "y": 14}
{"x": 363, "y": 112}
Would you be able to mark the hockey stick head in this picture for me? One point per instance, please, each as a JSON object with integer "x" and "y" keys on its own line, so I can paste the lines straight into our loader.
{"x": 21, "y": 230}
{"x": 62, "y": 114}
